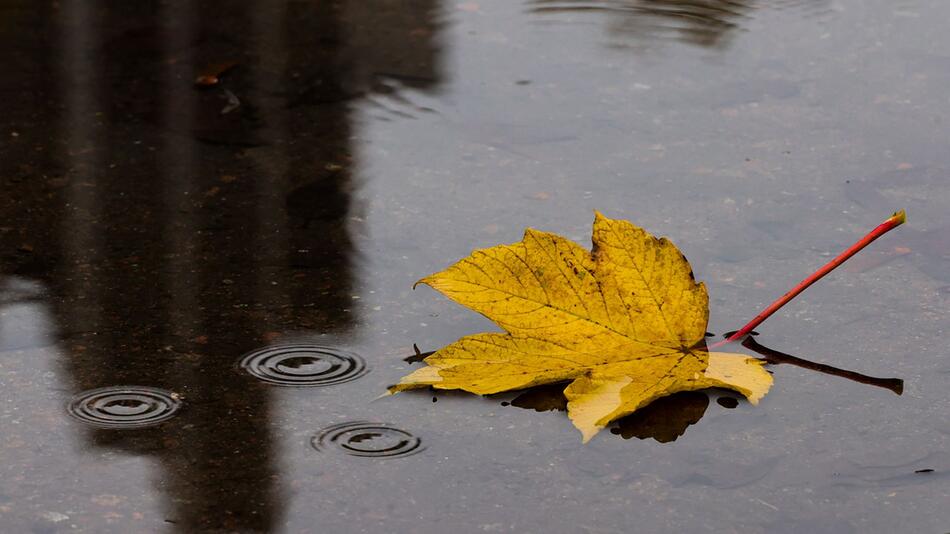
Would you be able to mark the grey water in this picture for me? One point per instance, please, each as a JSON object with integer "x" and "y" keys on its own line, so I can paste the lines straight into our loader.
{"x": 212, "y": 215}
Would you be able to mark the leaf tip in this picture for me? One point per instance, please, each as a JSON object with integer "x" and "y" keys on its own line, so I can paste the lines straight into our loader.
{"x": 588, "y": 434}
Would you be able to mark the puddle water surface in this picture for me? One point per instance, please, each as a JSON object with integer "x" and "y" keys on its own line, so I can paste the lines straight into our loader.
{"x": 210, "y": 199}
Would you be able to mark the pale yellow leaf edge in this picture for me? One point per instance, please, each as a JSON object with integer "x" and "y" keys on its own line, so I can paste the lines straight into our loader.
{"x": 737, "y": 372}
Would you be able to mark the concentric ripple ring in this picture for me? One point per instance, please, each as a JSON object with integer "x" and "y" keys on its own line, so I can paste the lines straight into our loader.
{"x": 124, "y": 406}
{"x": 304, "y": 365}
{"x": 365, "y": 439}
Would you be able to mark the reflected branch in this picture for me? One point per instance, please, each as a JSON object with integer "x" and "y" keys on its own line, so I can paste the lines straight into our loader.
{"x": 775, "y": 357}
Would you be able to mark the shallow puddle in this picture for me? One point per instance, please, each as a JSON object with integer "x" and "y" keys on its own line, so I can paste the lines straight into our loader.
{"x": 212, "y": 216}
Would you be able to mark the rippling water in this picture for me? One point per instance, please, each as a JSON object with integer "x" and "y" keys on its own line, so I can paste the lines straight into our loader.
{"x": 369, "y": 440}
{"x": 124, "y": 407}
{"x": 304, "y": 365}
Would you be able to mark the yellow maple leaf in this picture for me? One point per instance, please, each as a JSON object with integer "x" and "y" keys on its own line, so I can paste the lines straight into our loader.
{"x": 625, "y": 323}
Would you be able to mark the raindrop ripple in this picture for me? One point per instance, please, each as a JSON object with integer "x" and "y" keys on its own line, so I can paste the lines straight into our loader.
{"x": 369, "y": 440}
{"x": 304, "y": 365}
{"x": 122, "y": 407}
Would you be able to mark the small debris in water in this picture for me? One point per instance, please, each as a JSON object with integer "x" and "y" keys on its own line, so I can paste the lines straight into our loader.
{"x": 211, "y": 75}
{"x": 418, "y": 356}
{"x": 233, "y": 102}
{"x": 54, "y": 517}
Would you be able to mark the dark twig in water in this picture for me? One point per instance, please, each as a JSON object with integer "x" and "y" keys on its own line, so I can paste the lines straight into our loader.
{"x": 775, "y": 357}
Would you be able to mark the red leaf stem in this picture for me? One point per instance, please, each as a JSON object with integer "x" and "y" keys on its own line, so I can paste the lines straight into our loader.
{"x": 892, "y": 222}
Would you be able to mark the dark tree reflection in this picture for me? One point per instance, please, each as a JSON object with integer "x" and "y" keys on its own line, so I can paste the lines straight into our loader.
{"x": 179, "y": 227}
